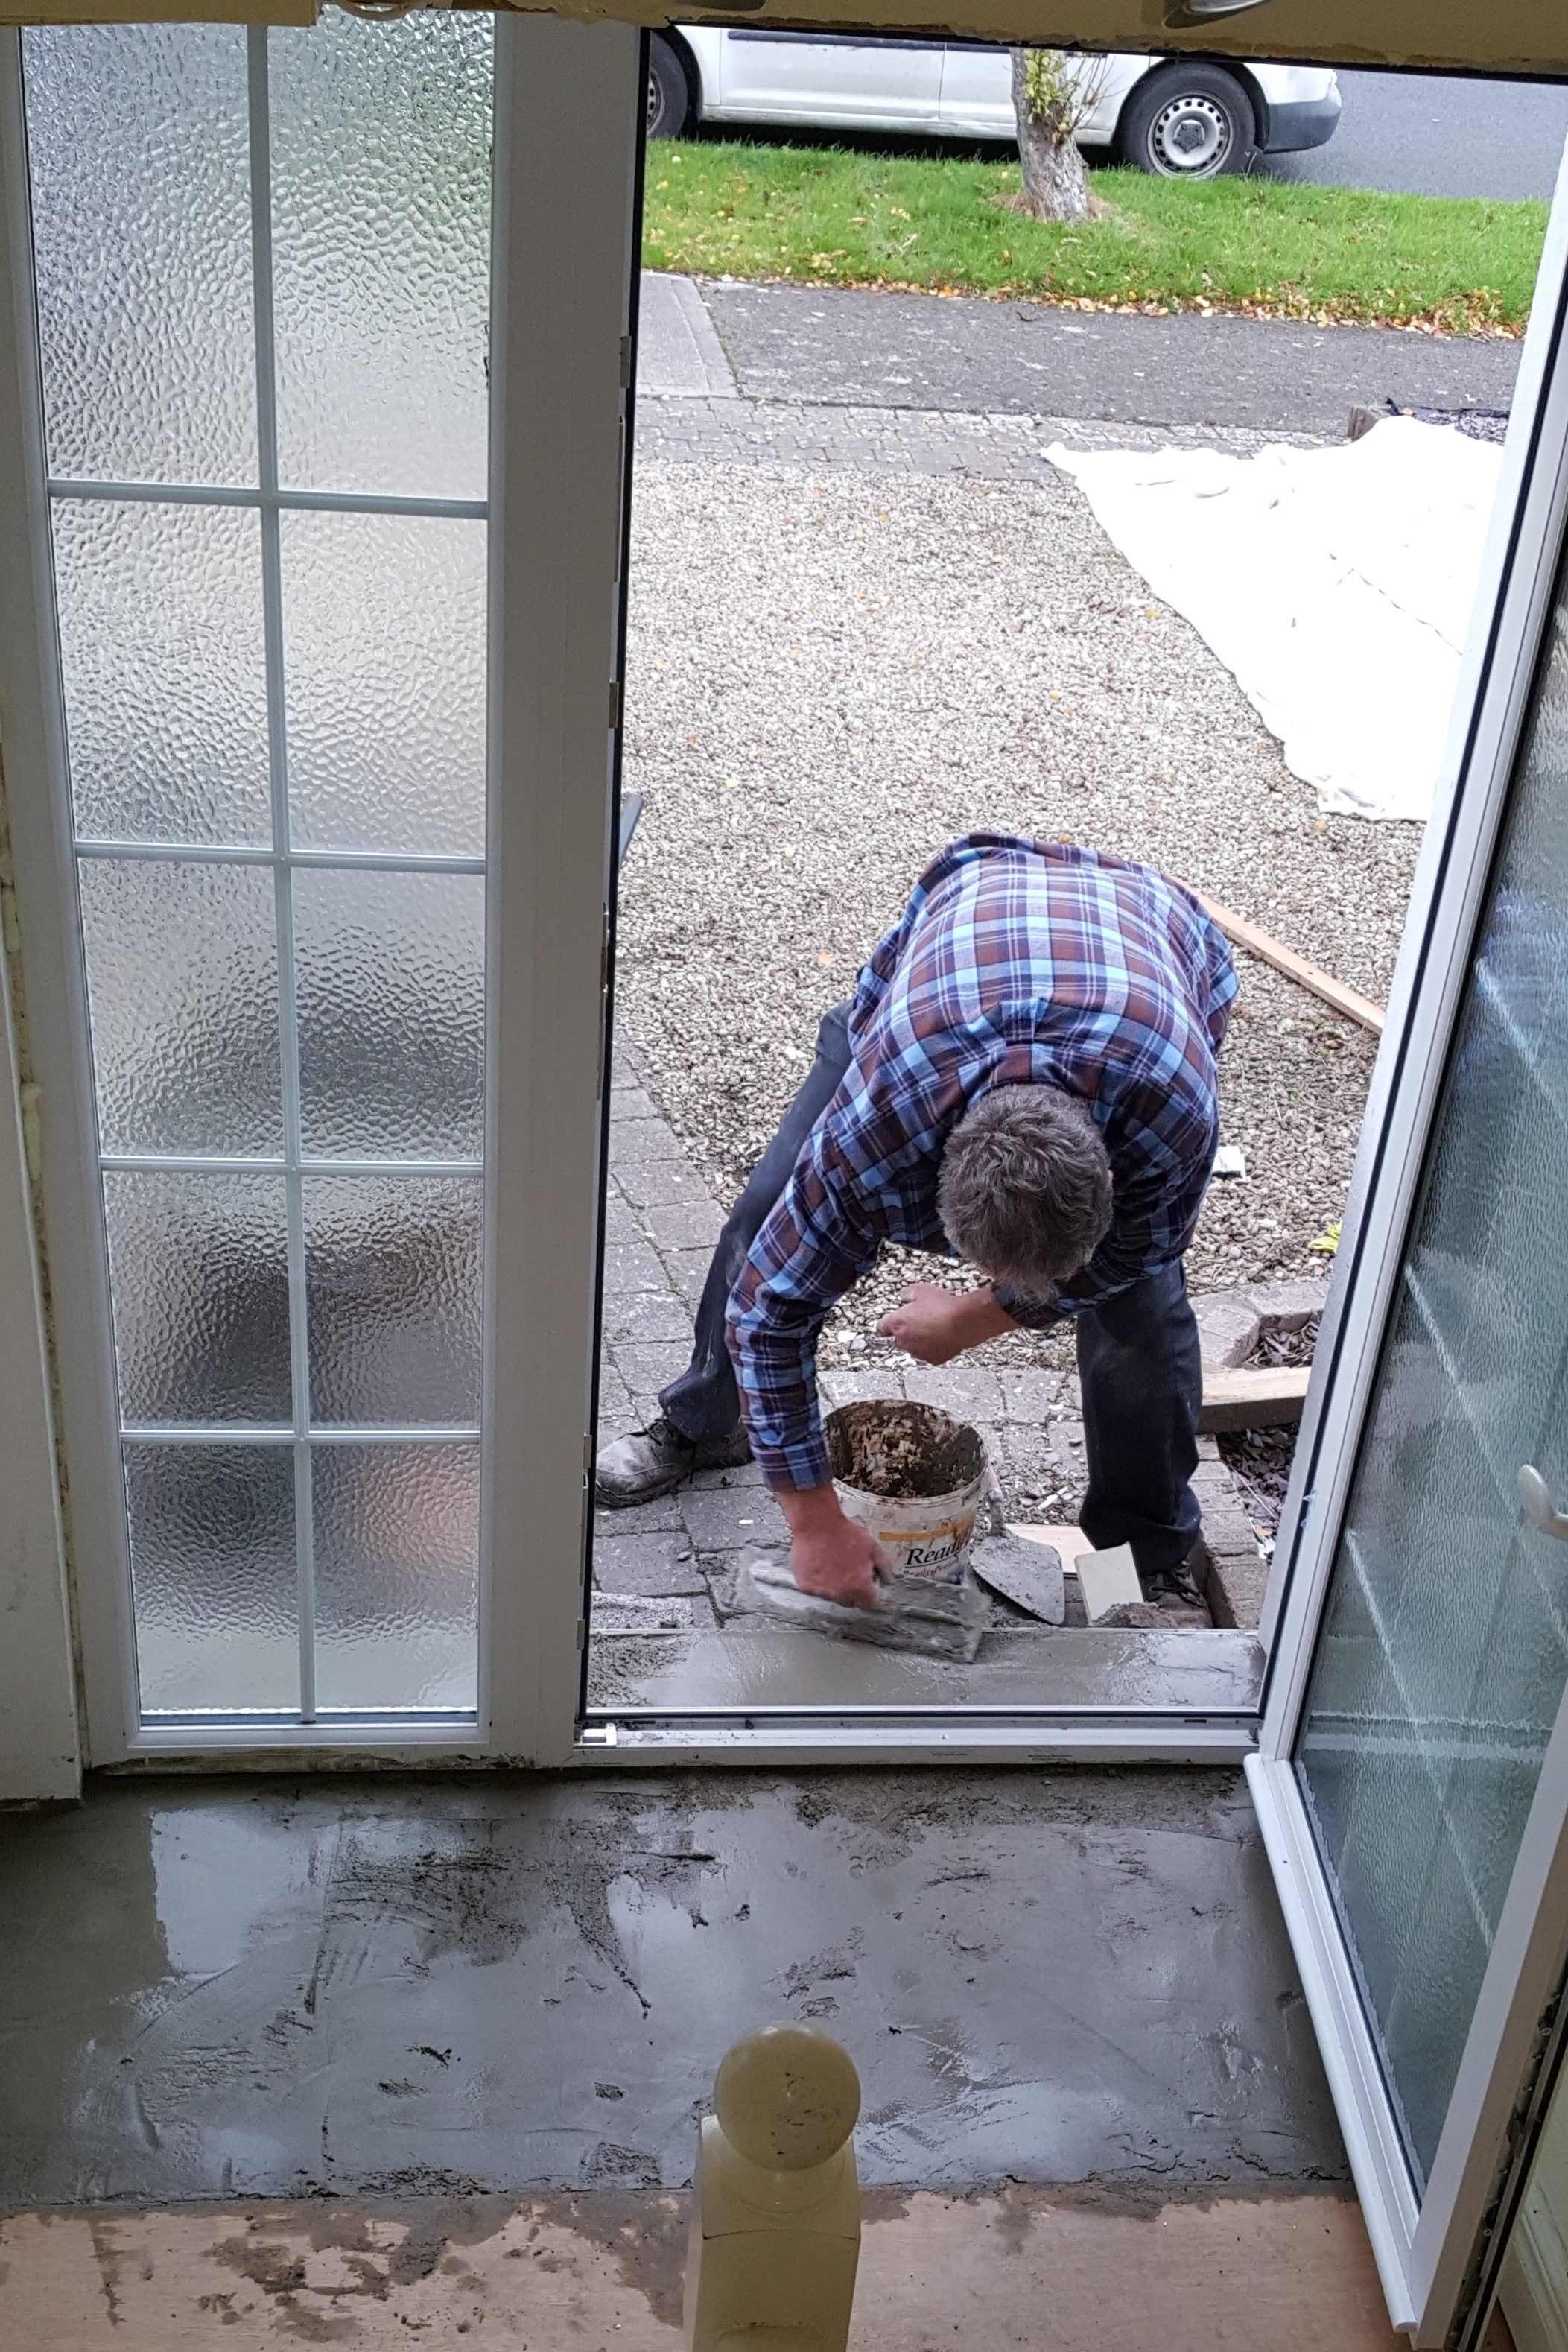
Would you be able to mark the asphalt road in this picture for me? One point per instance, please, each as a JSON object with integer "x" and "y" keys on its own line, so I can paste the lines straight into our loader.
{"x": 863, "y": 348}
{"x": 1438, "y": 135}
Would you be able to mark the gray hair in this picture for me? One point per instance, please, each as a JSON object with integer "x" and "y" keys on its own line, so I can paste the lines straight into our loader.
{"x": 1025, "y": 1187}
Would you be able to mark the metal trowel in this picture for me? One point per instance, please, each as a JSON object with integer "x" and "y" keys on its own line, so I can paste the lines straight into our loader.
{"x": 942, "y": 1621}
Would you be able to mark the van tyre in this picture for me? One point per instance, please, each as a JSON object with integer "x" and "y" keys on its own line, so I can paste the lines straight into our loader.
{"x": 669, "y": 92}
{"x": 1189, "y": 122}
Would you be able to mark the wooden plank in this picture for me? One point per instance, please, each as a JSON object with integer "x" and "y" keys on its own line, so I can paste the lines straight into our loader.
{"x": 1311, "y": 976}
{"x": 1251, "y": 1396}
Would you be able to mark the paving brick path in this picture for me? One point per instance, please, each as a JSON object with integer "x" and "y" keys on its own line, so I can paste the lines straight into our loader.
{"x": 1002, "y": 447}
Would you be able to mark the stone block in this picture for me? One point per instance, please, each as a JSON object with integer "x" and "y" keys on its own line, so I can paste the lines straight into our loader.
{"x": 630, "y": 1102}
{"x": 1031, "y": 1464}
{"x": 688, "y": 1270}
{"x": 650, "y": 1183}
{"x": 633, "y": 1265}
{"x": 1290, "y": 1304}
{"x": 647, "y": 1369}
{"x": 656, "y": 1566}
{"x": 731, "y": 1518}
{"x": 1226, "y": 1524}
{"x": 659, "y": 1517}
{"x": 650, "y": 1317}
{"x": 1236, "y": 1591}
{"x": 1238, "y": 1576}
{"x": 634, "y": 1142}
{"x": 1227, "y": 1325}
{"x": 685, "y": 1224}
{"x": 620, "y": 1223}
{"x": 967, "y": 1393}
{"x": 1028, "y": 1392}
{"x": 719, "y": 1482}
{"x": 843, "y": 1386}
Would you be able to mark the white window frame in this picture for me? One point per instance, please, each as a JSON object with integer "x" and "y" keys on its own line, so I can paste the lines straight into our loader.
{"x": 1423, "y": 2243}
{"x": 563, "y": 224}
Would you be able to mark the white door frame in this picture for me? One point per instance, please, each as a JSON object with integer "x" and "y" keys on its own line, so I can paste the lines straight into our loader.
{"x": 568, "y": 110}
{"x": 1422, "y": 2244}
{"x": 40, "y": 1740}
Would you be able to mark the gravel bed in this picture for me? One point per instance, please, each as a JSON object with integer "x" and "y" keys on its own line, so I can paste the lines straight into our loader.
{"x": 1259, "y": 1459}
{"x": 831, "y": 674}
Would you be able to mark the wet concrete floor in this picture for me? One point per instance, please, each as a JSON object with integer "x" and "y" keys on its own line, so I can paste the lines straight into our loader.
{"x": 401, "y": 1988}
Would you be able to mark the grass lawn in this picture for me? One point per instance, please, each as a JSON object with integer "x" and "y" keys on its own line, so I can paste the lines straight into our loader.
{"x": 841, "y": 217}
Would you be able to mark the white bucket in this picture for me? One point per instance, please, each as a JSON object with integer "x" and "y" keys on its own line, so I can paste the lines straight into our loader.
{"x": 892, "y": 1442}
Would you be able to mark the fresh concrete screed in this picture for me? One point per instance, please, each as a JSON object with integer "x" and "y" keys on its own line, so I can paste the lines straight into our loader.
{"x": 463, "y": 2031}
{"x": 495, "y": 1984}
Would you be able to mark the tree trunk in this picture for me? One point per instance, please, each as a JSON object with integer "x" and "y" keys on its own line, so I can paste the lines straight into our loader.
{"x": 1054, "y": 186}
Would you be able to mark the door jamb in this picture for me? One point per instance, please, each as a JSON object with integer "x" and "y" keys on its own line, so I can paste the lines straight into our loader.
{"x": 558, "y": 475}
{"x": 33, "y": 706}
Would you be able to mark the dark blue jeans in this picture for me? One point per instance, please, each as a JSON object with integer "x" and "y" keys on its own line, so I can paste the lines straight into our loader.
{"x": 1138, "y": 1362}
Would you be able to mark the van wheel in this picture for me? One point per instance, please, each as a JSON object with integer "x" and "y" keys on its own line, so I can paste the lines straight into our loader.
{"x": 1189, "y": 122}
{"x": 669, "y": 96}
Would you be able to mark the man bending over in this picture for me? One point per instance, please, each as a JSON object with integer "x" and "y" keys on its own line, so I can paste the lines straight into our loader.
{"x": 1025, "y": 1078}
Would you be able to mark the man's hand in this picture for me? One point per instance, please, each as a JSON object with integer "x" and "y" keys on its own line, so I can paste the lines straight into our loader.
{"x": 828, "y": 1554}
{"x": 933, "y": 1324}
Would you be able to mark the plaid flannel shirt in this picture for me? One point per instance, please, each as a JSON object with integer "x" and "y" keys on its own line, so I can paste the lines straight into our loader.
{"x": 1015, "y": 960}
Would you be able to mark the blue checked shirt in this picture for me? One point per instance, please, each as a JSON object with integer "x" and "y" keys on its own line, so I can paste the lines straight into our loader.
{"x": 1015, "y": 961}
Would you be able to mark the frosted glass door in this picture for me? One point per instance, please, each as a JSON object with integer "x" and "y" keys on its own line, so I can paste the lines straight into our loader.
{"x": 1443, "y": 1655}
{"x": 262, "y": 262}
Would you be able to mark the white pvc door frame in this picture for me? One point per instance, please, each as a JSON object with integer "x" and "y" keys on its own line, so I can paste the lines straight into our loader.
{"x": 567, "y": 131}
{"x": 1423, "y": 2243}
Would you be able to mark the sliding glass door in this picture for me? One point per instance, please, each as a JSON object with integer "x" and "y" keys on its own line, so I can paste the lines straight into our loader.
{"x": 1413, "y": 1782}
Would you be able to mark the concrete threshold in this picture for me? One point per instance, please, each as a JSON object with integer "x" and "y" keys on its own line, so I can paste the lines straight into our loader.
{"x": 746, "y": 1667}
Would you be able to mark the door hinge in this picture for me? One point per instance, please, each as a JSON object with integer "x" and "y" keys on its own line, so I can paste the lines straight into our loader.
{"x": 614, "y": 703}
{"x": 625, "y": 363}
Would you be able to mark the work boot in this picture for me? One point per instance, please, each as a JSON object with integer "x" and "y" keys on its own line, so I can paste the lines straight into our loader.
{"x": 654, "y": 1461}
{"x": 1177, "y": 1593}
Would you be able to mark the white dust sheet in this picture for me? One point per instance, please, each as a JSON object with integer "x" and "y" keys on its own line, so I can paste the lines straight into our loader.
{"x": 1335, "y": 584}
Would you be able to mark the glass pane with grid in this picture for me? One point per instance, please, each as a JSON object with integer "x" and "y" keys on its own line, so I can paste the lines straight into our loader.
{"x": 264, "y": 281}
{"x": 1444, "y": 1654}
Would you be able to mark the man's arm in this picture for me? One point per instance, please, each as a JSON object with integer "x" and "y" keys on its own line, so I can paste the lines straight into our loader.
{"x": 809, "y": 1250}
{"x": 830, "y": 1553}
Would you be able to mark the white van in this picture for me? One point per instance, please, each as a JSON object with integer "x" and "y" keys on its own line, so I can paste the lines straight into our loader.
{"x": 1188, "y": 117}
